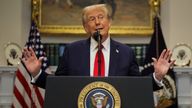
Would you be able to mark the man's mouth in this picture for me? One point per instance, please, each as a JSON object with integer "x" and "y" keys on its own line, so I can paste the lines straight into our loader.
{"x": 98, "y": 29}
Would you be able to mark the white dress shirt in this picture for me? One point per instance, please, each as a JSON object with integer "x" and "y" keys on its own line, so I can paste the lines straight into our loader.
{"x": 106, "y": 54}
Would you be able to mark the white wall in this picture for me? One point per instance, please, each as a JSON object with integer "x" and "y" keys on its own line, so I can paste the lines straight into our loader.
{"x": 10, "y": 24}
{"x": 15, "y": 22}
{"x": 176, "y": 21}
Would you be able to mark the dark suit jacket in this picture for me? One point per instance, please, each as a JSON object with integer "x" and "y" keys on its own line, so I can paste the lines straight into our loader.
{"x": 76, "y": 61}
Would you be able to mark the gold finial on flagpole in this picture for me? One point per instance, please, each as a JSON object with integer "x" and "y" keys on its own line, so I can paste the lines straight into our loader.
{"x": 155, "y": 6}
{"x": 34, "y": 10}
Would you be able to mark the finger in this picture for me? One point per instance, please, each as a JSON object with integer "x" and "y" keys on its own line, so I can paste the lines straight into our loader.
{"x": 154, "y": 60}
{"x": 27, "y": 53}
{"x": 32, "y": 53}
{"x": 172, "y": 62}
{"x": 167, "y": 55}
{"x": 163, "y": 53}
{"x": 24, "y": 52}
{"x": 41, "y": 58}
{"x": 23, "y": 60}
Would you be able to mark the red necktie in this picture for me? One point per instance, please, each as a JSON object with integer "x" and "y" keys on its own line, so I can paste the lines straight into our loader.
{"x": 96, "y": 65}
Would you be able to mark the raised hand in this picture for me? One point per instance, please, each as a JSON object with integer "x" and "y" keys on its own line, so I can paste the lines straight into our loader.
{"x": 162, "y": 64}
{"x": 32, "y": 63}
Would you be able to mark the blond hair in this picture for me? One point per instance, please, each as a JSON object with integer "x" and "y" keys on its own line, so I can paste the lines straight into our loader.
{"x": 103, "y": 7}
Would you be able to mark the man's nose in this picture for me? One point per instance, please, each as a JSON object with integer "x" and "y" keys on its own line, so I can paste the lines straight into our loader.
{"x": 97, "y": 21}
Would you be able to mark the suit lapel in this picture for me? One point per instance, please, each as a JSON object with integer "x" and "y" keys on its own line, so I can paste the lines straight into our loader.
{"x": 86, "y": 64}
{"x": 113, "y": 58}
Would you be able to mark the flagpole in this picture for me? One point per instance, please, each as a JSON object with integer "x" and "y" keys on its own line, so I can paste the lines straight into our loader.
{"x": 157, "y": 38}
{"x": 155, "y": 4}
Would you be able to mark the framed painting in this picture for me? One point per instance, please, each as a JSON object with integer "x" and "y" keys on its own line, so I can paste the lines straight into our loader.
{"x": 64, "y": 16}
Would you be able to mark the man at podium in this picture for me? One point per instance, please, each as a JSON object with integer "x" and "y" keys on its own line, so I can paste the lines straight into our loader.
{"x": 81, "y": 58}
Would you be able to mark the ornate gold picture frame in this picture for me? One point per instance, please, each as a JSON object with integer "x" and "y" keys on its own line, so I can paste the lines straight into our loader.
{"x": 64, "y": 16}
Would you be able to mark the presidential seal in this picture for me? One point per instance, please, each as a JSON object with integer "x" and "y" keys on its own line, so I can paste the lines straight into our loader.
{"x": 99, "y": 95}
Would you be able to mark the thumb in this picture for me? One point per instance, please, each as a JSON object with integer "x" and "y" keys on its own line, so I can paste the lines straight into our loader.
{"x": 41, "y": 58}
{"x": 154, "y": 60}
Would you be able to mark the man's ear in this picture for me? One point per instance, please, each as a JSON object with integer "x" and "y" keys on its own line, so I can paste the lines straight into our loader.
{"x": 110, "y": 22}
{"x": 85, "y": 28}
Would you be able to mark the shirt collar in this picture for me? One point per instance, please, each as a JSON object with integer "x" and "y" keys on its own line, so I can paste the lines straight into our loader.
{"x": 106, "y": 44}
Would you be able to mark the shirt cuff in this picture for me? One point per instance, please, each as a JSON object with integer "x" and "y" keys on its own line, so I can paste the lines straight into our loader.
{"x": 34, "y": 79}
{"x": 159, "y": 83}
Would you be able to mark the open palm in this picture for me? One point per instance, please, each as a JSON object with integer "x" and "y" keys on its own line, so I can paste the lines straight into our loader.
{"x": 162, "y": 65}
{"x": 32, "y": 63}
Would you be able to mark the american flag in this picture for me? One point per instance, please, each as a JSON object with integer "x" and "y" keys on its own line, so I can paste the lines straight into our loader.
{"x": 26, "y": 95}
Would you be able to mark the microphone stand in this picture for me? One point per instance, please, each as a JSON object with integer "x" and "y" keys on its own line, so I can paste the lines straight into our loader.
{"x": 97, "y": 37}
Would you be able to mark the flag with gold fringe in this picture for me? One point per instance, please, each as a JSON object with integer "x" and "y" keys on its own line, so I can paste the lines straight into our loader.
{"x": 26, "y": 95}
{"x": 166, "y": 97}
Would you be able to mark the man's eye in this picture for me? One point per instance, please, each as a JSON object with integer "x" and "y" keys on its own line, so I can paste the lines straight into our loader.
{"x": 91, "y": 19}
{"x": 100, "y": 17}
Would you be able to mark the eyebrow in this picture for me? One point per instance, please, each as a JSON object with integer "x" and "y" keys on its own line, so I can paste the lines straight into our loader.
{"x": 97, "y": 15}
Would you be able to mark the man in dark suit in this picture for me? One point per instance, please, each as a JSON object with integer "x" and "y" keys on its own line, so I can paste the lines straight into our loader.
{"x": 79, "y": 57}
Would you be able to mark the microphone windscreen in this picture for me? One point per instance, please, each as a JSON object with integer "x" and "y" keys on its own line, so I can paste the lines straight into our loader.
{"x": 97, "y": 36}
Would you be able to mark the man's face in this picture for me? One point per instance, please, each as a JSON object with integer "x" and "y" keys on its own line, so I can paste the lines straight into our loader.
{"x": 97, "y": 19}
